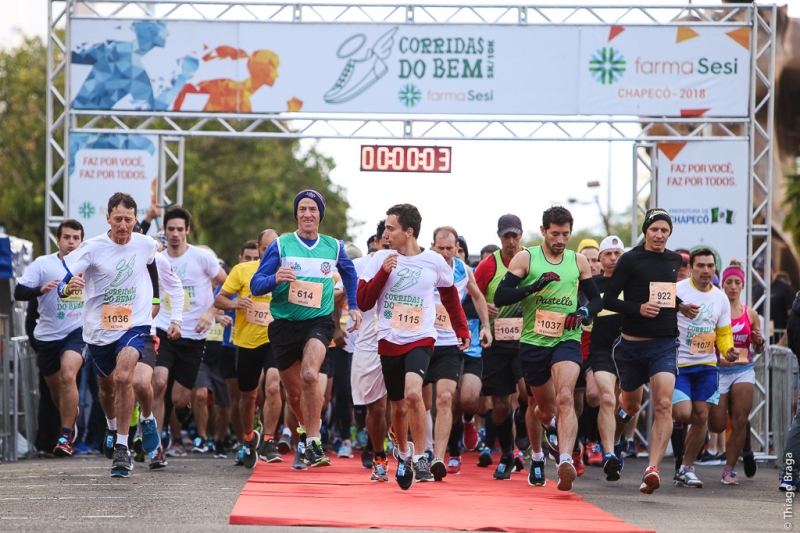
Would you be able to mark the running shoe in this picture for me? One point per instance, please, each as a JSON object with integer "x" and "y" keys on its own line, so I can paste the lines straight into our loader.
{"x": 285, "y": 444}
{"x": 536, "y": 475}
{"x": 380, "y": 470}
{"x": 405, "y": 474}
{"x": 393, "y": 442}
{"x": 158, "y": 459}
{"x": 82, "y": 449}
{"x": 630, "y": 449}
{"x": 438, "y": 469}
{"x": 239, "y": 459}
{"x": 251, "y": 450}
{"x": 577, "y": 461}
{"x": 63, "y": 447}
{"x": 519, "y": 461}
{"x": 454, "y": 465}
{"x": 422, "y": 472}
{"x": 219, "y": 453}
{"x": 750, "y": 465}
{"x": 299, "y": 462}
{"x": 686, "y": 477}
{"x": 176, "y": 450}
{"x": 361, "y": 439}
{"x": 611, "y": 467}
{"x": 199, "y": 445}
{"x": 366, "y": 459}
{"x": 121, "y": 465}
{"x": 620, "y": 455}
{"x": 485, "y": 457}
{"x": 429, "y": 456}
{"x": 138, "y": 450}
{"x": 315, "y": 456}
{"x": 166, "y": 439}
{"x": 150, "y": 438}
{"x": 471, "y": 436}
{"x": 729, "y": 476}
{"x": 108, "y": 443}
{"x": 566, "y": 475}
{"x": 345, "y": 451}
{"x": 504, "y": 468}
{"x": 594, "y": 454}
{"x": 268, "y": 451}
{"x": 788, "y": 484}
{"x": 707, "y": 459}
{"x": 651, "y": 480}
{"x": 552, "y": 440}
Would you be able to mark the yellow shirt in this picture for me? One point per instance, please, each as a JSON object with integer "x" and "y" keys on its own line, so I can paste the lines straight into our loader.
{"x": 248, "y": 334}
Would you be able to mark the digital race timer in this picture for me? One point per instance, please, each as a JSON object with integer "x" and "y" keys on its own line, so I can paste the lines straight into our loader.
{"x": 405, "y": 158}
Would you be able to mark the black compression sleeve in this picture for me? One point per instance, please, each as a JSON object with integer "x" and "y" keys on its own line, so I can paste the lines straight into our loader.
{"x": 152, "y": 269}
{"x": 595, "y": 304}
{"x": 145, "y": 225}
{"x": 508, "y": 293}
{"x": 24, "y": 294}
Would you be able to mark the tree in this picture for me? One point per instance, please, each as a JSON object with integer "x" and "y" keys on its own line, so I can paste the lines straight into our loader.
{"x": 234, "y": 188}
{"x": 792, "y": 200}
{"x": 22, "y": 140}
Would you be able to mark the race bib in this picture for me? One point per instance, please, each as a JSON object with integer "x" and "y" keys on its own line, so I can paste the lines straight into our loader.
{"x": 168, "y": 302}
{"x": 507, "y": 329}
{"x": 662, "y": 294}
{"x": 214, "y": 333}
{"x": 74, "y": 297}
{"x": 702, "y": 343}
{"x": 259, "y": 314}
{"x": 549, "y": 323}
{"x": 306, "y": 293}
{"x": 116, "y": 317}
{"x": 407, "y": 317}
{"x": 442, "y": 318}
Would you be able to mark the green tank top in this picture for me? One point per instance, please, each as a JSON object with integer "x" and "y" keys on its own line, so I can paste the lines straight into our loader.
{"x": 558, "y": 296}
{"x": 507, "y": 311}
{"x": 315, "y": 264}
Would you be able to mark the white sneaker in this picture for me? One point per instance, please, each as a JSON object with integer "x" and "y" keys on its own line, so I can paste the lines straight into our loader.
{"x": 686, "y": 477}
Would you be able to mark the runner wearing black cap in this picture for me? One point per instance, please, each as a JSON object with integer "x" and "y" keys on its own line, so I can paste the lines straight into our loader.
{"x": 647, "y": 349}
{"x": 297, "y": 268}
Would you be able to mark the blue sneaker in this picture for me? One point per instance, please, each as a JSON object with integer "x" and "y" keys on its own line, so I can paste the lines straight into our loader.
{"x": 621, "y": 456}
{"x": 82, "y": 449}
{"x": 485, "y": 457}
{"x": 150, "y": 438}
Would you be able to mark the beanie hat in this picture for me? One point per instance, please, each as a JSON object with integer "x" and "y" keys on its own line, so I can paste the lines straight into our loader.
{"x": 653, "y": 215}
{"x": 314, "y": 195}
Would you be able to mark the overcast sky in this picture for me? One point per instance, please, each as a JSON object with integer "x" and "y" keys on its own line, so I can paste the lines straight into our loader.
{"x": 488, "y": 178}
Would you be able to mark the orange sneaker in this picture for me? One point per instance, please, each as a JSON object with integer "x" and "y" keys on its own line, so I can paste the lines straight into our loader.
{"x": 651, "y": 480}
{"x": 577, "y": 461}
{"x": 380, "y": 470}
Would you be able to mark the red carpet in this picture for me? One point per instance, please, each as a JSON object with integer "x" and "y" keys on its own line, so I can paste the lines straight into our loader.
{"x": 342, "y": 496}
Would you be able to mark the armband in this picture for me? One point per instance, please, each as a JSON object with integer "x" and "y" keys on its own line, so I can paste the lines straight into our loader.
{"x": 156, "y": 301}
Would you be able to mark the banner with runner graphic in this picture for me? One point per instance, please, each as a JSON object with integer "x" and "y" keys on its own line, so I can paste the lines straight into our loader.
{"x": 270, "y": 67}
{"x": 704, "y": 187}
{"x": 103, "y": 164}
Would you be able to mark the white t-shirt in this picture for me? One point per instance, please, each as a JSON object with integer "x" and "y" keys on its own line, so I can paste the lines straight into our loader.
{"x": 411, "y": 284}
{"x": 170, "y": 284}
{"x": 58, "y": 317}
{"x": 447, "y": 336}
{"x": 194, "y": 268}
{"x": 715, "y": 312}
{"x": 116, "y": 275}
{"x": 366, "y": 337}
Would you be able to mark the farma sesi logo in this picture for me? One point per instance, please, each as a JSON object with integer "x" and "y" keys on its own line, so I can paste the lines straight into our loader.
{"x": 607, "y": 65}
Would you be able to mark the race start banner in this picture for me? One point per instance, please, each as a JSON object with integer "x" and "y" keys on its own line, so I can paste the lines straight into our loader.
{"x": 103, "y": 164}
{"x": 272, "y": 67}
{"x": 704, "y": 187}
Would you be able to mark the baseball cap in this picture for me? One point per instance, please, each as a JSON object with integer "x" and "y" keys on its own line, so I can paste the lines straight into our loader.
{"x": 587, "y": 243}
{"x": 612, "y": 242}
{"x": 685, "y": 256}
{"x": 509, "y": 223}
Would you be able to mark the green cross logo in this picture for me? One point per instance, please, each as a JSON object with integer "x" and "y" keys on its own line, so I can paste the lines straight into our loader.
{"x": 86, "y": 210}
{"x": 409, "y": 95}
{"x": 607, "y": 65}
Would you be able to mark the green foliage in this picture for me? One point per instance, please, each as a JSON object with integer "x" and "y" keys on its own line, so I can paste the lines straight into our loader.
{"x": 234, "y": 188}
{"x": 792, "y": 200}
{"x": 22, "y": 140}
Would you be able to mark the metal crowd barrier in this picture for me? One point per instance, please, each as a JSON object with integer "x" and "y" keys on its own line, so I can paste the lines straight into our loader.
{"x": 783, "y": 394}
{"x": 19, "y": 396}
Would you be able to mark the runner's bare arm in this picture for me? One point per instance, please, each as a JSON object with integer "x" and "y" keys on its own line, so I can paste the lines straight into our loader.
{"x": 481, "y": 308}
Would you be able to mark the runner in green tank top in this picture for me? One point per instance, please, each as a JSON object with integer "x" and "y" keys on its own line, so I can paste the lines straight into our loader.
{"x": 546, "y": 279}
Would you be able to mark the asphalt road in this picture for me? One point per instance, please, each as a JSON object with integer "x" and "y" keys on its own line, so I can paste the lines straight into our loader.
{"x": 197, "y": 493}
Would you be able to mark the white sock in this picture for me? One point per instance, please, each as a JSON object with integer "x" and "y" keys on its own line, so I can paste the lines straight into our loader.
{"x": 151, "y": 417}
{"x": 415, "y": 458}
{"x": 309, "y": 440}
{"x": 112, "y": 423}
{"x": 122, "y": 440}
{"x": 565, "y": 457}
{"x": 404, "y": 455}
{"x": 537, "y": 456}
{"x": 552, "y": 423}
